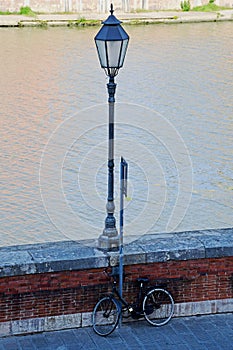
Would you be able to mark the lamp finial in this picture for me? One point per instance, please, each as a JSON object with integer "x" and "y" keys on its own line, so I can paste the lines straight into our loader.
{"x": 111, "y": 9}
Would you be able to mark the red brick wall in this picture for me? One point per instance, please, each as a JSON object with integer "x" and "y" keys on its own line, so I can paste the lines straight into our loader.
{"x": 70, "y": 292}
{"x": 191, "y": 280}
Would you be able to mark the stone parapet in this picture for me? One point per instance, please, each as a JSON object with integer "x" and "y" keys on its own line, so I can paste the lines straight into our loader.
{"x": 79, "y": 255}
{"x": 55, "y": 286}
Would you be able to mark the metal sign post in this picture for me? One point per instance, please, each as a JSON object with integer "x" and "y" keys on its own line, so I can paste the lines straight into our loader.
{"x": 123, "y": 192}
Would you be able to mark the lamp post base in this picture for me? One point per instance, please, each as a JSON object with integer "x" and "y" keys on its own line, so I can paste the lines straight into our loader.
{"x": 109, "y": 239}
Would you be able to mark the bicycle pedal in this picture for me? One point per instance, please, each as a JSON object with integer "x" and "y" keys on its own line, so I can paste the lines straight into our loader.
{"x": 135, "y": 315}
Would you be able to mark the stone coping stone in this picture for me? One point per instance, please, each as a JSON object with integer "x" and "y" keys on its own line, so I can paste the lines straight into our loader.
{"x": 81, "y": 255}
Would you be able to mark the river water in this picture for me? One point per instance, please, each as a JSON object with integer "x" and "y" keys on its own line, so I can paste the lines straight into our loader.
{"x": 174, "y": 126}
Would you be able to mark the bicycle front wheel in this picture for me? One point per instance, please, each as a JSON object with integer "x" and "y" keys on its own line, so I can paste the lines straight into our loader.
{"x": 158, "y": 307}
{"x": 105, "y": 316}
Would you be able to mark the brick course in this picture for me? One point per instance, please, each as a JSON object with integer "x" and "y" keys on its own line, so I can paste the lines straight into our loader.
{"x": 70, "y": 292}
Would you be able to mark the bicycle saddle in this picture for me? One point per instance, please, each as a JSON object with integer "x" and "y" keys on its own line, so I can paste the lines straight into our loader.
{"x": 142, "y": 280}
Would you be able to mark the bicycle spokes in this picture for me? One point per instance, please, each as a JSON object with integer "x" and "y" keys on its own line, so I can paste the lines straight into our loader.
{"x": 158, "y": 307}
{"x": 105, "y": 316}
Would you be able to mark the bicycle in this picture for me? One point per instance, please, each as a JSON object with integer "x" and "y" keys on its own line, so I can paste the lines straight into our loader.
{"x": 155, "y": 304}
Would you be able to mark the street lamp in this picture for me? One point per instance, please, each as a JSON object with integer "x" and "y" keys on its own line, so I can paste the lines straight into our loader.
{"x": 111, "y": 43}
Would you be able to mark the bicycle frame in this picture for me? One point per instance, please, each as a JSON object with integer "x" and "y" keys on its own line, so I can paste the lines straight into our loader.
{"x": 115, "y": 292}
{"x": 136, "y": 307}
{"x": 155, "y": 304}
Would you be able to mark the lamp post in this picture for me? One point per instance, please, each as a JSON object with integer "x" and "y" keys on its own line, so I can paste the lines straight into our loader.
{"x": 111, "y": 43}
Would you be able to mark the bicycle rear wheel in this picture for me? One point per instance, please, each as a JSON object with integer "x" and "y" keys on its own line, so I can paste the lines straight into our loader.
{"x": 158, "y": 307}
{"x": 105, "y": 316}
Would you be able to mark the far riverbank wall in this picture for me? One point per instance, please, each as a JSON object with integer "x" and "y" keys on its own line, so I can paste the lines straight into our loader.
{"x": 100, "y": 6}
{"x": 90, "y": 19}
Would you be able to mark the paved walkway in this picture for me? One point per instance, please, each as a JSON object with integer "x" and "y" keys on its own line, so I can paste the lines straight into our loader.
{"x": 213, "y": 332}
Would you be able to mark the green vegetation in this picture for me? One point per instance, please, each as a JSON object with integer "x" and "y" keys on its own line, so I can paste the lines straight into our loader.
{"x": 43, "y": 24}
{"x": 185, "y": 5}
{"x": 82, "y": 22}
{"x": 211, "y": 6}
{"x": 5, "y": 13}
{"x": 27, "y": 11}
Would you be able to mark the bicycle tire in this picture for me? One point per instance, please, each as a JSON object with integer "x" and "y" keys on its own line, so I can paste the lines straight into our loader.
{"x": 158, "y": 307}
{"x": 105, "y": 316}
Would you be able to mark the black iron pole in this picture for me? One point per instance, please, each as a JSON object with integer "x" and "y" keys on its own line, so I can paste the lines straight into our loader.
{"x": 110, "y": 222}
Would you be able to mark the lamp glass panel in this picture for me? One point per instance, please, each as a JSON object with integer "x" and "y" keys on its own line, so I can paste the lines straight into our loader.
{"x": 100, "y": 44}
{"x": 113, "y": 52}
{"x": 123, "y": 52}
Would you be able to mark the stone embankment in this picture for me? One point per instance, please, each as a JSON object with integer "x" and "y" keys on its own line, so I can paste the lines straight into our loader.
{"x": 82, "y": 19}
{"x": 52, "y": 286}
